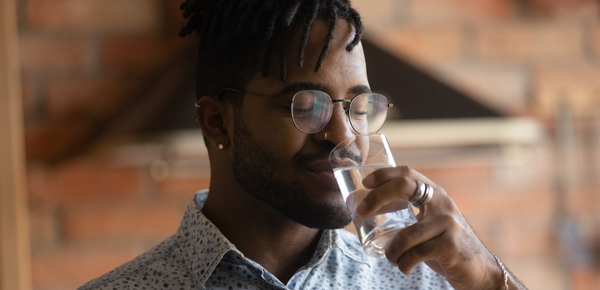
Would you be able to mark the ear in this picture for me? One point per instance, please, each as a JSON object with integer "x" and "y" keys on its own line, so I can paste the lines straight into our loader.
{"x": 212, "y": 116}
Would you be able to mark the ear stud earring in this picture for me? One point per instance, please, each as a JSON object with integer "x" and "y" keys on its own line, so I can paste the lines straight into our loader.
{"x": 220, "y": 146}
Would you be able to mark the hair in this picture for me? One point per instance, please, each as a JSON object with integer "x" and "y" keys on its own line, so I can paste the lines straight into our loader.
{"x": 237, "y": 37}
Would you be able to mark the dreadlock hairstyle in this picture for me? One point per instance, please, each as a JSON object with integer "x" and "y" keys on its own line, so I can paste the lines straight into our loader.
{"x": 237, "y": 37}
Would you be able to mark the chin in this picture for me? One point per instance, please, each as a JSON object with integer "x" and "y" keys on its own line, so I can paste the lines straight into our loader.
{"x": 321, "y": 215}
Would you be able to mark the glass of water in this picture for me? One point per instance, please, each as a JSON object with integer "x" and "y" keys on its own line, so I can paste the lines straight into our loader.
{"x": 354, "y": 159}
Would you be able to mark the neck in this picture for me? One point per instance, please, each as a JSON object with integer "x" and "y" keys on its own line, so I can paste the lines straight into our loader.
{"x": 259, "y": 231}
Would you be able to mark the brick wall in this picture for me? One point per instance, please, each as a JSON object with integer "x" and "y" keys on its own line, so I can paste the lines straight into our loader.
{"x": 533, "y": 52}
{"x": 95, "y": 212}
{"x": 82, "y": 61}
{"x": 85, "y": 60}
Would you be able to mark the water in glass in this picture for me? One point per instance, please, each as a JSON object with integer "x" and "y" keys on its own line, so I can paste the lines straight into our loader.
{"x": 374, "y": 232}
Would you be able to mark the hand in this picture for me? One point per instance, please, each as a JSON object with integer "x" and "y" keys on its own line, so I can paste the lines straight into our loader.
{"x": 441, "y": 238}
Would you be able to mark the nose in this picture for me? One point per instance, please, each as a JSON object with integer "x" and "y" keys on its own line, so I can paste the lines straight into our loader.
{"x": 338, "y": 129}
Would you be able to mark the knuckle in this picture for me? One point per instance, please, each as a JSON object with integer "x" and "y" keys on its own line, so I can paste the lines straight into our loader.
{"x": 382, "y": 175}
{"x": 415, "y": 231}
{"x": 404, "y": 170}
{"x": 386, "y": 173}
{"x": 403, "y": 181}
{"x": 439, "y": 189}
{"x": 403, "y": 236}
{"x": 451, "y": 242}
{"x": 453, "y": 225}
{"x": 407, "y": 181}
{"x": 454, "y": 234}
{"x": 425, "y": 249}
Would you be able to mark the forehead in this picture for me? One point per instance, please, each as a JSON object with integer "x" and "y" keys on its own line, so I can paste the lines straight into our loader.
{"x": 339, "y": 67}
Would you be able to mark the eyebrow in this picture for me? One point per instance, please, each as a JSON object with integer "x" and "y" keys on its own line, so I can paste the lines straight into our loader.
{"x": 356, "y": 90}
{"x": 293, "y": 88}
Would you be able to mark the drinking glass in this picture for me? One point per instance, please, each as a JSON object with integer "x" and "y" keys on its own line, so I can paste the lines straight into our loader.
{"x": 354, "y": 159}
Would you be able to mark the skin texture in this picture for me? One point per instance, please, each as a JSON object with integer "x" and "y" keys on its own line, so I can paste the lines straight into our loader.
{"x": 272, "y": 188}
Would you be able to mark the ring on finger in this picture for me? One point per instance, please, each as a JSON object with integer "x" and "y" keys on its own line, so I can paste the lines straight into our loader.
{"x": 422, "y": 195}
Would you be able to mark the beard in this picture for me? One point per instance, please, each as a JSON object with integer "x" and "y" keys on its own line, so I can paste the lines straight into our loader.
{"x": 260, "y": 174}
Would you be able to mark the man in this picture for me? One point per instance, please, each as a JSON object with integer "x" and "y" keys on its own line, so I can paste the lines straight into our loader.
{"x": 269, "y": 217}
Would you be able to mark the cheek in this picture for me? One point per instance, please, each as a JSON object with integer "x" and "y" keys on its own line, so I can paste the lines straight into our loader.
{"x": 275, "y": 133}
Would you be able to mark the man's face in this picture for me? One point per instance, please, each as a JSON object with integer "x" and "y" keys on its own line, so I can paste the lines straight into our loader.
{"x": 276, "y": 162}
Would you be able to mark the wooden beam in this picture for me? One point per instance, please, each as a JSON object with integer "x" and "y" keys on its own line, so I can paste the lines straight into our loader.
{"x": 15, "y": 258}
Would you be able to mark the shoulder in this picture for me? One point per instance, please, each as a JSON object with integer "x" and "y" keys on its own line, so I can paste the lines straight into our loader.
{"x": 160, "y": 266}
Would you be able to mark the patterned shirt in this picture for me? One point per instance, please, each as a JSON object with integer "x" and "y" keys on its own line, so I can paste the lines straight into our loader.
{"x": 199, "y": 256}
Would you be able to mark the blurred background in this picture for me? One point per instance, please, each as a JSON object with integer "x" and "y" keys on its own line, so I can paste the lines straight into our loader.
{"x": 497, "y": 101}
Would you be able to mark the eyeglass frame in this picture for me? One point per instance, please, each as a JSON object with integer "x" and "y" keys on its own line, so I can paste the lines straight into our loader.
{"x": 346, "y": 110}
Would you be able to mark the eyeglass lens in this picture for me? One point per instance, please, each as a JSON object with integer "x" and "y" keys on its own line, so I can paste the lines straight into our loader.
{"x": 311, "y": 111}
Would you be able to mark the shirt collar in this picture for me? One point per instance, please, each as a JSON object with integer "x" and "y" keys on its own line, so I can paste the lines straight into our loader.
{"x": 204, "y": 246}
{"x": 202, "y": 243}
{"x": 348, "y": 244}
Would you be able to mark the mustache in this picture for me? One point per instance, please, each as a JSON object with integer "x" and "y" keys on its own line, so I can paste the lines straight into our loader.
{"x": 347, "y": 153}
{"x": 324, "y": 154}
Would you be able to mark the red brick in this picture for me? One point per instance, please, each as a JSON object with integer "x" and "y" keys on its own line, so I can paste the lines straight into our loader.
{"x": 423, "y": 44}
{"x": 576, "y": 85}
{"x": 515, "y": 235}
{"x": 95, "y": 16}
{"x": 51, "y": 140}
{"x": 86, "y": 180}
{"x": 445, "y": 176}
{"x": 585, "y": 199}
{"x": 459, "y": 10}
{"x": 141, "y": 53}
{"x": 569, "y": 9}
{"x": 89, "y": 98}
{"x": 112, "y": 220}
{"x": 488, "y": 9}
{"x": 497, "y": 201}
{"x": 376, "y": 15}
{"x": 183, "y": 187}
{"x": 55, "y": 55}
{"x": 530, "y": 43}
{"x": 70, "y": 268}
{"x": 596, "y": 41}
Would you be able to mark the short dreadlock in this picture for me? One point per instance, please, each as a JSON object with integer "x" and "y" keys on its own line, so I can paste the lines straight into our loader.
{"x": 234, "y": 33}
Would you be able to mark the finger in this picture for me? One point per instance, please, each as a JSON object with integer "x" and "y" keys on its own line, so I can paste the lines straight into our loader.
{"x": 455, "y": 244}
{"x": 383, "y": 175}
{"x": 391, "y": 184}
{"x": 399, "y": 187}
{"x": 427, "y": 251}
{"x": 412, "y": 236}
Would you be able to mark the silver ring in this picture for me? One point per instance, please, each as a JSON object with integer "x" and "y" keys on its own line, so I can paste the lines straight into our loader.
{"x": 422, "y": 195}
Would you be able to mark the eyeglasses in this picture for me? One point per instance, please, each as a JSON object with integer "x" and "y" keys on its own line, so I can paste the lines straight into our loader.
{"x": 312, "y": 109}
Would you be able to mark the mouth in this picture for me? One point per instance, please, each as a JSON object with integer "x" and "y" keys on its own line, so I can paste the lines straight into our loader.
{"x": 323, "y": 173}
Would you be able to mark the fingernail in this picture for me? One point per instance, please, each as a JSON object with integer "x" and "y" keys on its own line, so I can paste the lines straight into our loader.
{"x": 368, "y": 181}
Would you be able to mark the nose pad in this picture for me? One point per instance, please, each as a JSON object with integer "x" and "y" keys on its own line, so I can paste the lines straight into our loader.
{"x": 339, "y": 128}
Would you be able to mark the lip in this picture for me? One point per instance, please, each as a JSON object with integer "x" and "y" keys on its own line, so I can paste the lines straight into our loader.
{"x": 323, "y": 172}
